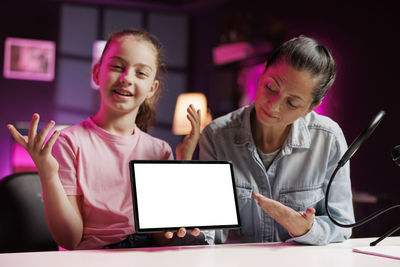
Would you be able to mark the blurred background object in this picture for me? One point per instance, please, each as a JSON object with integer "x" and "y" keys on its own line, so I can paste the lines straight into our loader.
{"x": 23, "y": 224}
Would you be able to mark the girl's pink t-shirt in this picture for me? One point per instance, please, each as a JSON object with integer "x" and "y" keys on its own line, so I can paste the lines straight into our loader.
{"x": 95, "y": 164}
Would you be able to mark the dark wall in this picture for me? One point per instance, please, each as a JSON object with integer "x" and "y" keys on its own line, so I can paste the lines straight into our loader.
{"x": 20, "y": 98}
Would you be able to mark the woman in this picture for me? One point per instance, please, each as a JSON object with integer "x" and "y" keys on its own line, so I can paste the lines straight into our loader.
{"x": 284, "y": 153}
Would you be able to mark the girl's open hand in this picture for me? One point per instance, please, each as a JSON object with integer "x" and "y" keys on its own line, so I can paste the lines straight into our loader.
{"x": 185, "y": 150}
{"x": 35, "y": 145}
{"x": 297, "y": 223}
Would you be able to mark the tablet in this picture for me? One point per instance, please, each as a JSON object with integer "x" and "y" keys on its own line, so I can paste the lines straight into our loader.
{"x": 170, "y": 194}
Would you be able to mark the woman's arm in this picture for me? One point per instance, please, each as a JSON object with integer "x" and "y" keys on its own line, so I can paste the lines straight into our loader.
{"x": 297, "y": 223}
{"x": 322, "y": 230}
{"x": 63, "y": 213}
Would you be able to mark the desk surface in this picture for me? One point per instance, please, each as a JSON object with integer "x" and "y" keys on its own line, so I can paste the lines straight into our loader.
{"x": 250, "y": 255}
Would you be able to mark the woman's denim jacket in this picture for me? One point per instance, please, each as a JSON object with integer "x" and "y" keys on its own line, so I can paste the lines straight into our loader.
{"x": 300, "y": 173}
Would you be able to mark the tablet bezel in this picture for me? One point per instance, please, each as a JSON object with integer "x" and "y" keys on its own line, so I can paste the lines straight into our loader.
{"x": 188, "y": 227}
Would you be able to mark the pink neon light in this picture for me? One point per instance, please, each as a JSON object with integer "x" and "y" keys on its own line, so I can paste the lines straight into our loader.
{"x": 227, "y": 53}
{"x": 21, "y": 160}
{"x": 322, "y": 108}
{"x": 29, "y": 59}
{"x": 248, "y": 80}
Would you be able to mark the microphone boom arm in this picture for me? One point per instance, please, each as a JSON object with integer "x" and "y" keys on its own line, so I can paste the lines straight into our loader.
{"x": 349, "y": 153}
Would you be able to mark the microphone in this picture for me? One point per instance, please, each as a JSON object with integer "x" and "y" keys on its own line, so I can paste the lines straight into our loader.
{"x": 347, "y": 155}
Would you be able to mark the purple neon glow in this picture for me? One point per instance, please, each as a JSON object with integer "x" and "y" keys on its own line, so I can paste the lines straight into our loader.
{"x": 227, "y": 53}
{"x": 321, "y": 109}
{"x": 248, "y": 79}
{"x": 21, "y": 160}
{"x": 28, "y": 59}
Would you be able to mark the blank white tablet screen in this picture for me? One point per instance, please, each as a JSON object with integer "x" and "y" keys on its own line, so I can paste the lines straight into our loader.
{"x": 173, "y": 195}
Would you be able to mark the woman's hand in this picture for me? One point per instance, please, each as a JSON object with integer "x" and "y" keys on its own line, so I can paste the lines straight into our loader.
{"x": 166, "y": 238}
{"x": 297, "y": 223}
{"x": 35, "y": 145}
{"x": 185, "y": 150}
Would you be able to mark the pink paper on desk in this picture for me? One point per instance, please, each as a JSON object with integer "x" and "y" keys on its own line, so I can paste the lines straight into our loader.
{"x": 392, "y": 252}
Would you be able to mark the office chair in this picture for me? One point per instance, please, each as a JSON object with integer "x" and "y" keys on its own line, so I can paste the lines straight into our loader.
{"x": 23, "y": 224}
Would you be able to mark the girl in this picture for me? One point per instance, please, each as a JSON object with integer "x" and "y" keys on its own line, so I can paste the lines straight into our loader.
{"x": 85, "y": 176}
{"x": 284, "y": 153}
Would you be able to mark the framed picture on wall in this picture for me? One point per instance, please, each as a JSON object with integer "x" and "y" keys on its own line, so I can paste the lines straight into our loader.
{"x": 29, "y": 59}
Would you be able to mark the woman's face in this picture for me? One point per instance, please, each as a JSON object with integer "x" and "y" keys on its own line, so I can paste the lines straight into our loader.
{"x": 126, "y": 75}
{"x": 284, "y": 94}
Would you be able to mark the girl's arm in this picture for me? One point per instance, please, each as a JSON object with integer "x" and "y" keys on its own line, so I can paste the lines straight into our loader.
{"x": 63, "y": 213}
{"x": 185, "y": 150}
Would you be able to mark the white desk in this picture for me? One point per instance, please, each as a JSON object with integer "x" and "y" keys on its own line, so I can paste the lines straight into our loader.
{"x": 249, "y": 255}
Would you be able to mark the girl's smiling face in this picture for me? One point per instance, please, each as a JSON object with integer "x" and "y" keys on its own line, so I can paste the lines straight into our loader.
{"x": 284, "y": 94}
{"x": 126, "y": 74}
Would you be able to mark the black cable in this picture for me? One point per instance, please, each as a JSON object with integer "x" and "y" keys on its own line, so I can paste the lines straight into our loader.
{"x": 388, "y": 233}
{"x": 363, "y": 221}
